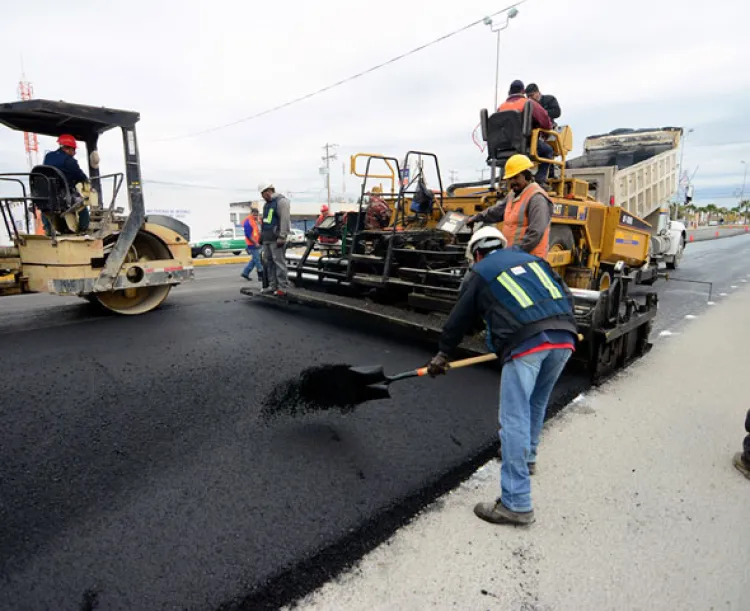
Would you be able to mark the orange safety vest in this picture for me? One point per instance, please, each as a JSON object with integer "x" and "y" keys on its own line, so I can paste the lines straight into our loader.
{"x": 254, "y": 231}
{"x": 515, "y": 219}
{"x": 516, "y": 104}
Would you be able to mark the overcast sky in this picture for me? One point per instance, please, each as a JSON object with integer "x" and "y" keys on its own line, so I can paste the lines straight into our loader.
{"x": 192, "y": 65}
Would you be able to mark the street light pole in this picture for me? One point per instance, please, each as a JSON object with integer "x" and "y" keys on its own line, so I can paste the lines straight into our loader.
{"x": 512, "y": 12}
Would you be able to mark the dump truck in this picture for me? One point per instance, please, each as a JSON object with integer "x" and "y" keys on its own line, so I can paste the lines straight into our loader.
{"x": 637, "y": 170}
{"x": 409, "y": 273}
{"x": 125, "y": 263}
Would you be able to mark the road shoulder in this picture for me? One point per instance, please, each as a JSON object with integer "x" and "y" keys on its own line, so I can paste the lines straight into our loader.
{"x": 637, "y": 502}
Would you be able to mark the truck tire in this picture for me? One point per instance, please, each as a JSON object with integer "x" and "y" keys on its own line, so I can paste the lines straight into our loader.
{"x": 562, "y": 236}
{"x": 677, "y": 257}
{"x": 208, "y": 251}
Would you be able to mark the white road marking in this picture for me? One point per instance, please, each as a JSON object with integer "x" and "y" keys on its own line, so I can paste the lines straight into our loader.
{"x": 711, "y": 303}
{"x": 734, "y": 286}
{"x": 722, "y": 294}
{"x": 667, "y": 333}
{"x": 691, "y": 316}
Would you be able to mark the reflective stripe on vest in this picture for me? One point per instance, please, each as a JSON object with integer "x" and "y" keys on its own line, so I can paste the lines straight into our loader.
{"x": 515, "y": 223}
{"x": 269, "y": 216}
{"x": 516, "y": 104}
{"x": 545, "y": 280}
{"x": 521, "y": 296}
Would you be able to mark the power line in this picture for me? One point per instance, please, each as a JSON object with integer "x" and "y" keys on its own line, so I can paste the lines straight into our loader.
{"x": 343, "y": 81}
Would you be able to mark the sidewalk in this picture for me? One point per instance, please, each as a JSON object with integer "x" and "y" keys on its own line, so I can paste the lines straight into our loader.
{"x": 637, "y": 502}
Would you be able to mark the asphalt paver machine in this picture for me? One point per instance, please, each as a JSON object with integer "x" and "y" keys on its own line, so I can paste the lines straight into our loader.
{"x": 126, "y": 263}
{"x": 409, "y": 273}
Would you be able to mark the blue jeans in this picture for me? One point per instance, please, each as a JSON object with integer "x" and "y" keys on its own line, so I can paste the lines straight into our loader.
{"x": 544, "y": 149}
{"x": 254, "y": 262}
{"x": 525, "y": 387}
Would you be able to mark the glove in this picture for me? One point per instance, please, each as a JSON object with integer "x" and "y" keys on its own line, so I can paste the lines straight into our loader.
{"x": 280, "y": 242}
{"x": 472, "y": 220}
{"x": 438, "y": 365}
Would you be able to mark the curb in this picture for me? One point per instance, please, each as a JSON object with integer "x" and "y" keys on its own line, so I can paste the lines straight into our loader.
{"x": 220, "y": 261}
{"x": 704, "y": 234}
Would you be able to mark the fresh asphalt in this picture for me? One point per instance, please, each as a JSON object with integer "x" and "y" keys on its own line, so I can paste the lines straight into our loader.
{"x": 137, "y": 474}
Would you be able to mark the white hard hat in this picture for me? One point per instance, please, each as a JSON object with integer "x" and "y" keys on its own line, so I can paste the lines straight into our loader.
{"x": 264, "y": 186}
{"x": 486, "y": 237}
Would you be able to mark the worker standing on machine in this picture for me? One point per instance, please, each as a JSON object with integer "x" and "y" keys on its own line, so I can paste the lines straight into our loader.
{"x": 64, "y": 160}
{"x": 528, "y": 313}
{"x": 276, "y": 227}
{"x": 251, "y": 225}
{"x": 378, "y": 215}
{"x": 516, "y": 101}
{"x": 525, "y": 212}
{"x": 325, "y": 212}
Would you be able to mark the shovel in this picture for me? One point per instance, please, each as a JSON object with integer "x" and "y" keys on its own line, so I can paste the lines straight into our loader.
{"x": 374, "y": 383}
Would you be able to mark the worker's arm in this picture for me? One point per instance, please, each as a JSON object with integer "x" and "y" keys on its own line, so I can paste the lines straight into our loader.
{"x": 463, "y": 315}
{"x": 538, "y": 217}
{"x": 539, "y": 115}
{"x": 285, "y": 223}
{"x": 248, "y": 227}
{"x": 74, "y": 170}
{"x": 552, "y": 107}
{"x": 493, "y": 214}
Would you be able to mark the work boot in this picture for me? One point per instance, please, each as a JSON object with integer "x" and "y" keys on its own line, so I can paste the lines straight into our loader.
{"x": 267, "y": 291}
{"x": 245, "y": 276}
{"x": 280, "y": 292}
{"x": 741, "y": 465}
{"x": 497, "y": 513}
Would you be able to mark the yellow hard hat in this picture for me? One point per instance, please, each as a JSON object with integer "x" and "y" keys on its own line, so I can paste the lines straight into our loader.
{"x": 376, "y": 189}
{"x": 517, "y": 164}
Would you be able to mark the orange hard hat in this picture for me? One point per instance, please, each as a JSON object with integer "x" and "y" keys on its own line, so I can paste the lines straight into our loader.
{"x": 67, "y": 140}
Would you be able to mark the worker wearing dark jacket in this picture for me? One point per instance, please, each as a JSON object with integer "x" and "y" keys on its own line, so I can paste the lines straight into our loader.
{"x": 525, "y": 212}
{"x": 528, "y": 313}
{"x": 539, "y": 119}
{"x": 548, "y": 102}
{"x": 64, "y": 160}
{"x": 276, "y": 226}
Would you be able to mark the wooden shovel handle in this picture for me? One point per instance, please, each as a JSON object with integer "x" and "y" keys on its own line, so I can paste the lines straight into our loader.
{"x": 474, "y": 360}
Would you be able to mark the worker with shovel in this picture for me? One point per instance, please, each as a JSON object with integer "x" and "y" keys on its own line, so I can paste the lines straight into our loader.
{"x": 528, "y": 312}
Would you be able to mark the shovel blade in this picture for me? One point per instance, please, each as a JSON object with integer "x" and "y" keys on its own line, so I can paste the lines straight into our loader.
{"x": 375, "y": 392}
{"x": 367, "y": 375}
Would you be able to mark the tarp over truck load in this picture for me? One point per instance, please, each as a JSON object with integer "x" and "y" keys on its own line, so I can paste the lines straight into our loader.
{"x": 632, "y": 168}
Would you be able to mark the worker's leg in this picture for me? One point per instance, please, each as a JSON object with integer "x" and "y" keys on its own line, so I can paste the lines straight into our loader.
{"x": 546, "y": 151}
{"x": 84, "y": 218}
{"x": 250, "y": 264}
{"x": 279, "y": 255}
{"x": 256, "y": 261}
{"x": 516, "y": 387}
{"x": 270, "y": 265}
{"x": 746, "y": 442}
{"x": 549, "y": 373}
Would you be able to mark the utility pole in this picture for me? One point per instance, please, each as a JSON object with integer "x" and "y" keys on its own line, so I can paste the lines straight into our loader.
{"x": 454, "y": 176}
{"x": 481, "y": 172}
{"x": 327, "y": 158}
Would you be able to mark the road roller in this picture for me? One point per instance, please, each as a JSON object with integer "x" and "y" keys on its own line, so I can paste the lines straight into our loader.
{"x": 122, "y": 260}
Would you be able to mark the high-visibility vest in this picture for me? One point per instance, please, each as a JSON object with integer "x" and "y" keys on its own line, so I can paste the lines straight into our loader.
{"x": 254, "y": 240}
{"x": 271, "y": 222}
{"x": 515, "y": 219}
{"x": 516, "y": 103}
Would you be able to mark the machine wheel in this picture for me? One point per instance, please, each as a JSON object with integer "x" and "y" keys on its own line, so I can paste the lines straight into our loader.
{"x": 562, "y": 236}
{"x": 208, "y": 251}
{"x": 138, "y": 300}
{"x": 604, "y": 281}
{"x": 678, "y": 256}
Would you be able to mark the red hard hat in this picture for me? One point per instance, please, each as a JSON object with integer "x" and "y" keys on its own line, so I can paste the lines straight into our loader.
{"x": 67, "y": 140}
{"x": 324, "y": 208}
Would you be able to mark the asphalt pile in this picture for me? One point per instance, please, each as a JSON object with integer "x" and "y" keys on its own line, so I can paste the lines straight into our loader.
{"x": 325, "y": 387}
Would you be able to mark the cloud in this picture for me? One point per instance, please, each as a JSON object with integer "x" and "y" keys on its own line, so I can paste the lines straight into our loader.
{"x": 631, "y": 64}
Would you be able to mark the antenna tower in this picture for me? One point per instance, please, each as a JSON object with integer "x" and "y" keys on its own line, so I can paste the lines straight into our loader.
{"x": 30, "y": 141}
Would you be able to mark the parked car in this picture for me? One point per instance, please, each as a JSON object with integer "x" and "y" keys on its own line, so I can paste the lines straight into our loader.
{"x": 297, "y": 238}
{"x": 220, "y": 240}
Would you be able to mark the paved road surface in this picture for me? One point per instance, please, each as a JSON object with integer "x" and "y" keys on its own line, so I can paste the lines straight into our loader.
{"x": 137, "y": 473}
